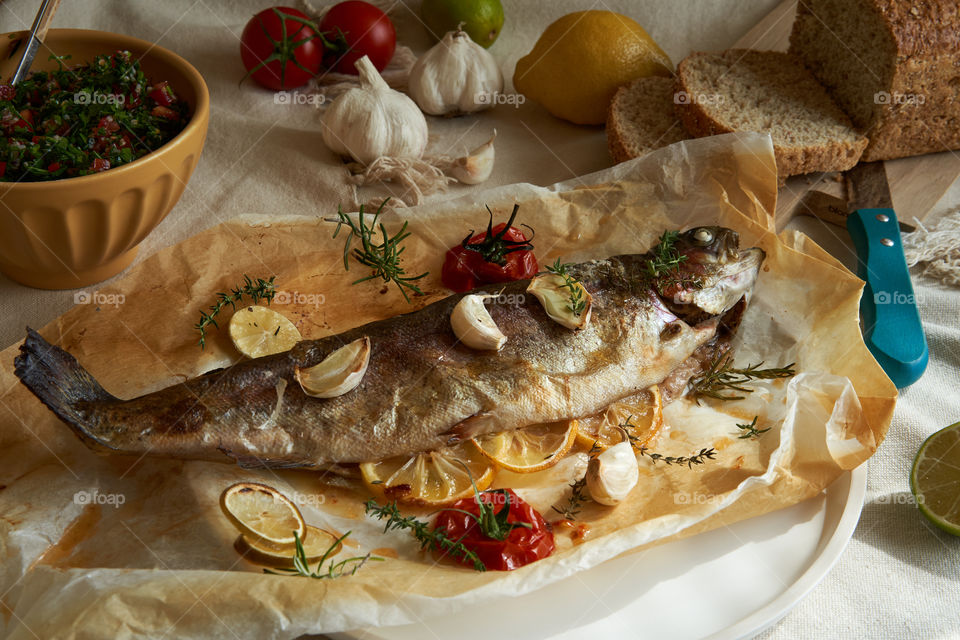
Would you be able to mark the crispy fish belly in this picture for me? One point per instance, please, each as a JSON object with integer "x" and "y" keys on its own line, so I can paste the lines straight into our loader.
{"x": 422, "y": 388}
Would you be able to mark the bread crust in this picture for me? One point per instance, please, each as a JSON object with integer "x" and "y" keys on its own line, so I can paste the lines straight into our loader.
{"x": 834, "y": 156}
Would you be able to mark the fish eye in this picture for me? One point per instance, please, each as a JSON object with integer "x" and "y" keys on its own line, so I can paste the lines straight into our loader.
{"x": 703, "y": 236}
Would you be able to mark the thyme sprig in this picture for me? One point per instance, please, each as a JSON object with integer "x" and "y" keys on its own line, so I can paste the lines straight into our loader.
{"x": 571, "y": 284}
{"x": 698, "y": 458}
{"x": 301, "y": 565}
{"x": 723, "y": 376}
{"x": 433, "y": 539}
{"x": 382, "y": 258}
{"x": 664, "y": 265}
{"x": 750, "y": 430}
{"x": 256, "y": 290}
{"x": 574, "y": 504}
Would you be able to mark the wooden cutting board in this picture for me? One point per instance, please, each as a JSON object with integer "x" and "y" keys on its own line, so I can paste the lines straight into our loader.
{"x": 916, "y": 184}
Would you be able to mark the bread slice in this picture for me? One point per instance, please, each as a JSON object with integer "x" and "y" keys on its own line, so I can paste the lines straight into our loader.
{"x": 895, "y": 69}
{"x": 770, "y": 92}
{"x": 641, "y": 118}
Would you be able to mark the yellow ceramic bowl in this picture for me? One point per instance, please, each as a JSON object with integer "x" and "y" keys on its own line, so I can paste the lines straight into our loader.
{"x": 63, "y": 234}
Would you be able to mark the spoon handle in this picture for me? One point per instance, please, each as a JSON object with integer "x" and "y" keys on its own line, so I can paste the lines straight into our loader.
{"x": 37, "y": 33}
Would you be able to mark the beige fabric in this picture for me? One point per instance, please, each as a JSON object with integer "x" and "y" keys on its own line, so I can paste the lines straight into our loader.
{"x": 898, "y": 577}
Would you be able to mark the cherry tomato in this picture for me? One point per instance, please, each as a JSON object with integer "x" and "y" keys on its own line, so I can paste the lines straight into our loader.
{"x": 281, "y": 52}
{"x": 524, "y": 544}
{"x": 501, "y": 254}
{"x": 162, "y": 93}
{"x": 358, "y": 29}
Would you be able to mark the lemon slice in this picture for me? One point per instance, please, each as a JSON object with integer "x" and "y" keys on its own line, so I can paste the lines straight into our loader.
{"x": 262, "y": 513}
{"x": 433, "y": 479}
{"x": 645, "y": 411}
{"x": 316, "y": 542}
{"x": 935, "y": 479}
{"x": 529, "y": 449}
{"x": 258, "y": 331}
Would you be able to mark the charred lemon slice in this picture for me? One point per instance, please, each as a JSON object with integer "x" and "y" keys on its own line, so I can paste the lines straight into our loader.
{"x": 435, "y": 478}
{"x": 262, "y": 513}
{"x": 644, "y": 411}
{"x": 316, "y": 542}
{"x": 529, "y": 449}
{"x": 258, "y": 331}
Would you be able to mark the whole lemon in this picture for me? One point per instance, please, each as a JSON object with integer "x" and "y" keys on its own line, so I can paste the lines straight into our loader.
{"x": 581, "y": 59}
{"x": 481, "y": 19}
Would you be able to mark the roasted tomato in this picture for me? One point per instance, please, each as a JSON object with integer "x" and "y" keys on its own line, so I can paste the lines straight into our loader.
{"x": 501, "y": 254}
{"x": 281, "y": 49}
{"x": 508, "y": 533}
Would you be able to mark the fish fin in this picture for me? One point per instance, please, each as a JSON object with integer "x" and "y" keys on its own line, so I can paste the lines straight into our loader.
{"x": 477, "y": 424}
{"x": 250, "y": 461}
{"x": 58, "y": 380}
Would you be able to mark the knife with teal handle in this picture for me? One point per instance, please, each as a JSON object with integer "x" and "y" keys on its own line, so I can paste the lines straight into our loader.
{"x": 890, "y": 318}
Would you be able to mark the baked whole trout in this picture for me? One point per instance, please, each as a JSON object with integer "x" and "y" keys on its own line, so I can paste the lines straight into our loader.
{"x": 422, "y": 389}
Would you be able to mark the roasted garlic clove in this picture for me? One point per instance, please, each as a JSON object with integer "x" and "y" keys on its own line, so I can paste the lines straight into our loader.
{"x": 613, "y": 474}
{"x": 473, "y": 325}
{"x": 338, "y": 373}
{"x": 564, "y": 299}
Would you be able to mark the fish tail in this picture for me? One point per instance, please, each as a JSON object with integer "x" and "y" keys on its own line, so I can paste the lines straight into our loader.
{"x": 58, "y": 380}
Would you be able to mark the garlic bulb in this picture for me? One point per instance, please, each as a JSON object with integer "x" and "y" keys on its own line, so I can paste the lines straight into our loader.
{"x": 373, "y": 121}
{"x": 473, "y": 325}
{"x": 338, "y": 373}
{"x": 565, "y": 300}
{"x": 613, "y": 474}
{"x": 456, "y": 76}
{"x": 476, "y": 167}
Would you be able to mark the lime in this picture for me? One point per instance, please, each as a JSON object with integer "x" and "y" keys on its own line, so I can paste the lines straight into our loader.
{"x": 482, "y": 19}
{"x": 935, "y": 479}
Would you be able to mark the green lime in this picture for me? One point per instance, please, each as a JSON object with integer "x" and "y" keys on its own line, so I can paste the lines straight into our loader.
{"x": 482, "y": 19}
{"x": 935, "y": 479}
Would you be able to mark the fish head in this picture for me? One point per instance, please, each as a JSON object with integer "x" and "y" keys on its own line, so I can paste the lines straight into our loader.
{"x": 715, "y": 272}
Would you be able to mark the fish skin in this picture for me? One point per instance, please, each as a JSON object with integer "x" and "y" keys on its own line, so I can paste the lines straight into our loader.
{"x": 422, "y": 389}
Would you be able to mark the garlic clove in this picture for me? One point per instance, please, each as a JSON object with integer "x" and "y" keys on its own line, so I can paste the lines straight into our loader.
{"x": 553, "y": 293}
{"x": 473, "y": 325}
{"x": 613, "y": 474}
{"x": 338, "y": 373}
{"x": 476, "y": 167}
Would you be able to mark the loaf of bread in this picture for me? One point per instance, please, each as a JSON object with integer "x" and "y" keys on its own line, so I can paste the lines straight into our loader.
{"x": 893, "y": 66}
{"x": 767, "y": 91}
{"x": 641, "y": 118}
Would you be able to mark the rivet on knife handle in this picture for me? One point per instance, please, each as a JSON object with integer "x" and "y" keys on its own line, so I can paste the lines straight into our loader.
{"x": 891, "y": 321}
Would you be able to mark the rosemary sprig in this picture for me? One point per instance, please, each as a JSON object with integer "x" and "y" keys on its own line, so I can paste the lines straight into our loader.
{"x": 697, "y": 458}
{"x": 723, "y": 376}
{"x": 301, "y": 566}
{"x": 383, "y": 258}
{"x": 574, "y": 504}
{"x": 750, "y": 430}
{"x": 432, "y": 539}
{"x": 571, "y": 284}
{"x": 256, "y": 290}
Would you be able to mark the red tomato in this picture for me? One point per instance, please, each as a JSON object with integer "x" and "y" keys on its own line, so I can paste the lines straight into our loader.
{"x": 358, "y": 29}
{"x": 281, "y": 53}
{"x": 521, "y": 546}
{"x": 501, "y": 254}
{"x": 163, "y": 94}
{"x": 100, "y": 164}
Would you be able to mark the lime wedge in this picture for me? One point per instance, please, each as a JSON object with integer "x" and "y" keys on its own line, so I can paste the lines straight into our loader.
{"x": 935, "y": 479}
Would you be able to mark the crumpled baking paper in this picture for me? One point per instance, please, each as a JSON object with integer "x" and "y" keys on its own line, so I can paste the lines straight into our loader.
{"x": 123, "y": 547}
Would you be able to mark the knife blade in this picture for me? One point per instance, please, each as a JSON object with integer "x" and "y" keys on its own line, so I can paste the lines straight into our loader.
{"x": 891, "y": 321}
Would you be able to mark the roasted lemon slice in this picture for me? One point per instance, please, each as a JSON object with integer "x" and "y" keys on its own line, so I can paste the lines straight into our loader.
{"x": 316, "y": 542}
{"x": 529, "y": 449}
{"x": 433, "y": 479}
{"x": 644, "y": 410}
{"x": 262, "y": 513}
{"x": 258, "y": 331}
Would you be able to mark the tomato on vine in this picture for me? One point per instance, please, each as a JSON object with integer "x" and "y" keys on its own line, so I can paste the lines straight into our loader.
{"x": 281, "y": 48}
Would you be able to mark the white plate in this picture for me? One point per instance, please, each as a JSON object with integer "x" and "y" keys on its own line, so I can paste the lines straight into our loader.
{"x": 729, "y": 583}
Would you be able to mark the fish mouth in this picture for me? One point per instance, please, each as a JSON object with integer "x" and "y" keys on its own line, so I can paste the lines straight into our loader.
{"x": 725, "y": 275}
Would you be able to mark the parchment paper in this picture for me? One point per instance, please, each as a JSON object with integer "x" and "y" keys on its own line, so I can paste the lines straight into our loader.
{"x": 124, "y": 547}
